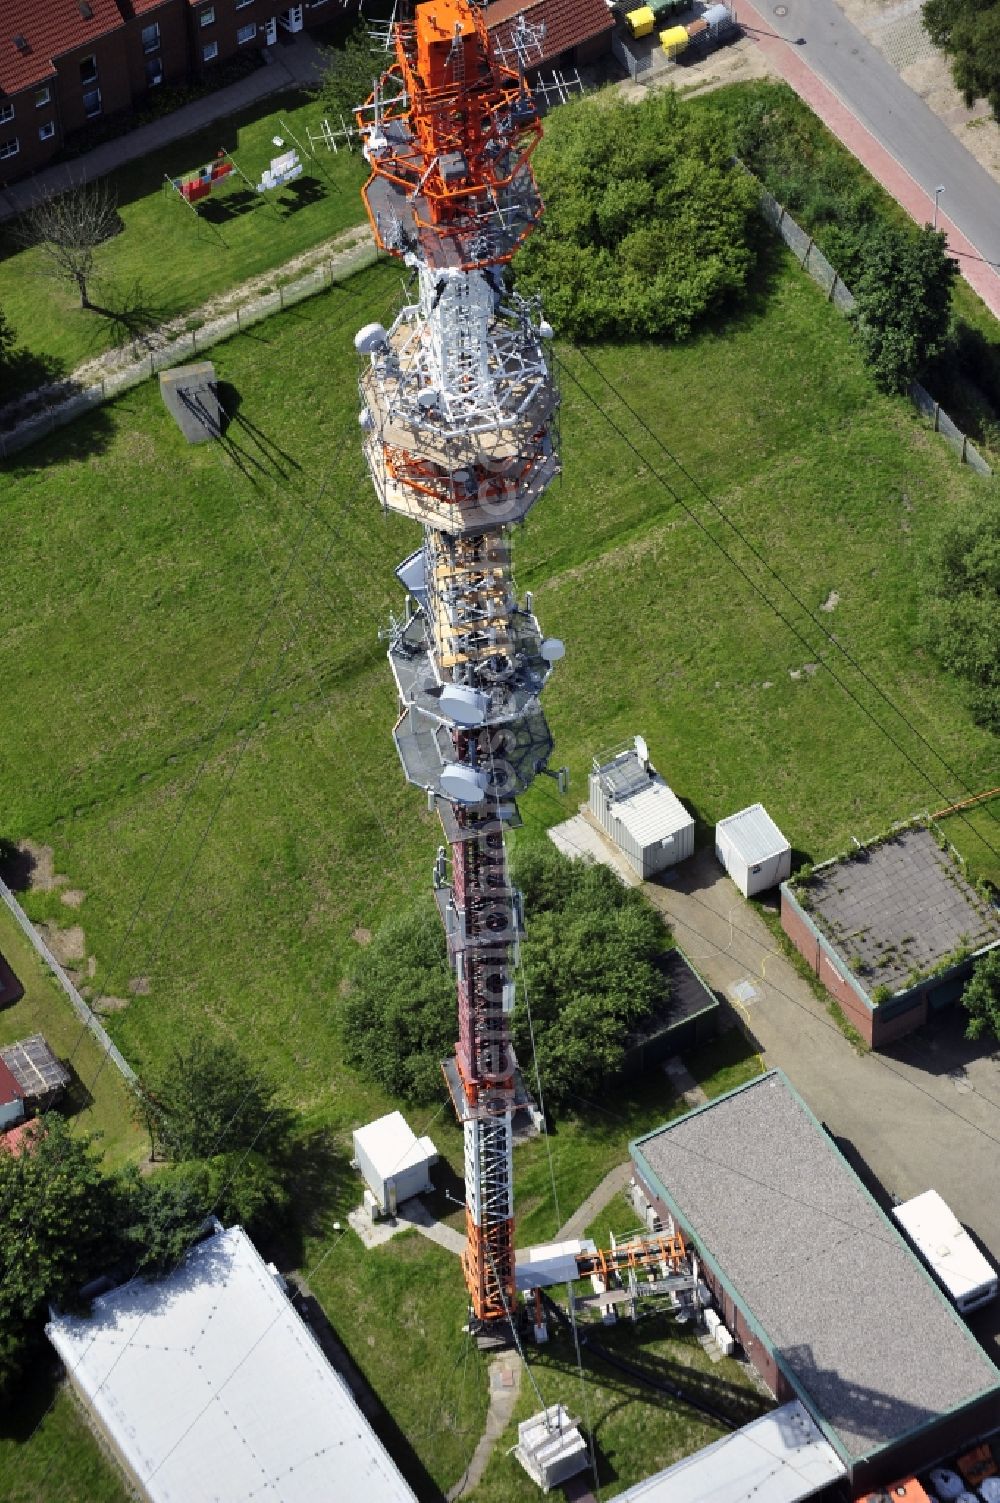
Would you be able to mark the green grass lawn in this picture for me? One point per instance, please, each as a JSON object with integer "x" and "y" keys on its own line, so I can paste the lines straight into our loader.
{"x": 238, "y": 234}
{"x": 198, "y": 708}
{"x": 98, "y": 1100}
{"x": 973, "y": 832}
{"x": 58, "y": 1460}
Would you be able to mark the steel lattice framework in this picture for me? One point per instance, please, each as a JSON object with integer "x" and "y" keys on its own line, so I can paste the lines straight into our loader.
{"x": 458, "y": 407}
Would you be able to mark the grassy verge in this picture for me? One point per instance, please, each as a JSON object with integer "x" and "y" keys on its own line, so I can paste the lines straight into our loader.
{"x": 236, "y": 234}
{"x": 972, "y": 835}
{"x": 60, "y": 1459}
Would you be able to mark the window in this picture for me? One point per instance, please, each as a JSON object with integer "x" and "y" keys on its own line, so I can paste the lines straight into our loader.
{"x": 92, "y": 103}
{"x": 46, "y": 131}
{"x": 151, "y": 37}
{"x": 9, "y": 148}
{"x": 210, "y": 51}
{"x": 6, "y": 113}
{"x": 246, "y": 34}
{"x": 88, "y": 69}
{"x": 154, "y": 71}
{"x": 42, "y": 97}
{"x": 241, "y": 3}
{"x": 207, "y": 16}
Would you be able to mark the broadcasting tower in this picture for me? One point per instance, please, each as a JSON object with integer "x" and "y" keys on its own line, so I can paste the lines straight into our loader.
{"x": 458, "y": 406}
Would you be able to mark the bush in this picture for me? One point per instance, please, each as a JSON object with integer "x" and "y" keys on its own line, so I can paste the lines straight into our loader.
{"x": 647, "y": 227}
{"x": 981, "y": 998}
{"x": 903, "y": 302}
{"x": 962, "y": 583}
{"x": 969, "y": 31}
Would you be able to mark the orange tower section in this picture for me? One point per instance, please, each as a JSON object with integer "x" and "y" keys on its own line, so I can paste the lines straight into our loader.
{"x": 457, "y": 408}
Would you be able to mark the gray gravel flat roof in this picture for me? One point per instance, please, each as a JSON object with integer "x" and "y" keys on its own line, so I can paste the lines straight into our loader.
{"x": 831, "y": 1287}
{"x": 898, "y": 907}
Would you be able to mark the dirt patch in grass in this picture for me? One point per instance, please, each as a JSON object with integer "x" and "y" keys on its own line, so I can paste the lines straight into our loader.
{"x": 111, "y": 1004}
{"x": 73, "y": 897}
{"x": 67, "y": 945}
{"x": 361, "y": 936}
{"x": 139, "y": 986}
{"x": 43, "y": 877}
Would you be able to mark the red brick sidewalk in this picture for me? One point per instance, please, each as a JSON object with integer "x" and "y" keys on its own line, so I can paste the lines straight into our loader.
{"x": 883, "y": 166}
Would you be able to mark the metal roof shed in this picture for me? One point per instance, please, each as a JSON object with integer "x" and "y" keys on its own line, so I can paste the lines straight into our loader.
{"x": 42, "y": 1077}
{"x": 394, "y": 1163}
{"x": 784, "y": 1456}
{"x": 645, "y": 819}
{"x": 753, "y": 850}
{"x": 212, "y": 1389}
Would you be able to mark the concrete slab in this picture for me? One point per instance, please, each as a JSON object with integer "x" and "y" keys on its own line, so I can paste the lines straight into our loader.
{"x": 583, "y": 840}
{"x": 190, "y": 396}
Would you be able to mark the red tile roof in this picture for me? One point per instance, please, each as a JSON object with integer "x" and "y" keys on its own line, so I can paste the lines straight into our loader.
{"x": 9, "y": 1088}
{"x": 50, "y": 28}
{"x": 22, "y": 1138}
{"x": 567, "y": 23}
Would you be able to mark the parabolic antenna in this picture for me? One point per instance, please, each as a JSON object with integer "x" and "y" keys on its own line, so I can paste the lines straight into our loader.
{"x": 641, "y": 749}
{"x": 463, "y": 705}
{"x": 369, "y": 339}
{"x": 464, "y": 784}
{"x": 552, "y": 649}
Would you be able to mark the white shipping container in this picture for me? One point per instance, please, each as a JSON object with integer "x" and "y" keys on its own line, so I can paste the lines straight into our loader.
{"x": 394, "y": 1163}
{"x": 753, "y": 850}
{"x": 966, "y": 1276}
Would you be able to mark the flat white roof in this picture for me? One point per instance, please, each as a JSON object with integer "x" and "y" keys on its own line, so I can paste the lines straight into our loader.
{"x": 653, "y": 813}
{"x": 945, "y": 1243}
{"x": 550, "y": 1263}
{"x": 390, "y": 1145}
{"x": 215, "y": 1391}
{"x": 754, "y": 834}
{"x": 782, "y": 1458}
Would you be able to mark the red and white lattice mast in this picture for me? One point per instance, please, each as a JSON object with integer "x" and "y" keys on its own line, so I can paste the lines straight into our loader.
{"x": 458, "y": 406}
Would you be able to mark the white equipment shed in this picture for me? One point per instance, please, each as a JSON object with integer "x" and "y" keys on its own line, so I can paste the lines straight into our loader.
{"x": 633, "y": 805}
{"x": 394, "y": 1164}
{"x": 753, "y": 850}
{"x": 212, "y": 1389}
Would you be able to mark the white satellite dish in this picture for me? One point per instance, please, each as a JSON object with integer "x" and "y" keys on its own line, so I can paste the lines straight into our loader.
{"x": 546, "y": 330}
{"x": 552, "y": 649}
{"x": 463, "y": 784}
{"x": 463, "y": 705}
{"x": 365, "y": 420}
{"x": 369, "y": 339}
{"x": 641, "y": 750}
{"x": 427, "y": 399}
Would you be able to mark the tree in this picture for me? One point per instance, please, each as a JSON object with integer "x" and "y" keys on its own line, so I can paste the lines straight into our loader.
{"x": 8, "y": 341}
{"x": 969, "y": 31}
{"x": 962, "y": 587}
{"x": 68, "y": 228}
{"x": 57, "y": 1231}
{"x": 349, "y": 73}
{"x": 648, "y": 223}
{"x": 589, "y": 970}
{"x": 903, "y": 302}
{"x": 163, "y": 1215}
{"x": 981, "y": 998}
{"x": 398, "y": 1021}
{"x": 206, "y": 1099}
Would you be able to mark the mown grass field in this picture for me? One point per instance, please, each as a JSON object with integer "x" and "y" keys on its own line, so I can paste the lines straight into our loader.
{"x": 198, "y": 709}
{"x": 237, "y": 233}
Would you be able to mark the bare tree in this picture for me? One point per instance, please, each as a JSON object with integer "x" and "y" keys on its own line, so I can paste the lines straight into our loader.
{"x": 67, "y": 228}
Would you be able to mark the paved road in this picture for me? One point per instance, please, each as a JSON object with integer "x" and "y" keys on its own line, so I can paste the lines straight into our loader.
{"x": 875, "y": 93}
{"x": 926, "y": 1113}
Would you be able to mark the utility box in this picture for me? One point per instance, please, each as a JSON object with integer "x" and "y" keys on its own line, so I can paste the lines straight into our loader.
{"x": 753, "y": 850}
{"x": 633, "y": 805}
{"x": 394, "y": 1164}
{"x": 550, "y": 1447}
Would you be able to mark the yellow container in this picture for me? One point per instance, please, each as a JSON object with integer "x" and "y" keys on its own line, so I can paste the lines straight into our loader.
{"x": 640, "y": 22}
{"x": 674, "y": 40}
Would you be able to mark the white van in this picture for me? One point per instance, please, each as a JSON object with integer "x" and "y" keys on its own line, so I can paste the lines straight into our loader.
{"x": 968, "y": 1278}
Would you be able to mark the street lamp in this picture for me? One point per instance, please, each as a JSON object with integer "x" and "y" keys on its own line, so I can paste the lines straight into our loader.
{"x": 937, "y": 194}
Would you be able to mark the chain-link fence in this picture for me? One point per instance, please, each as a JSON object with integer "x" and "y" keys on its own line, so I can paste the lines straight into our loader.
{"x": 72, "y": 404}
{"x": 815, "y": 263}
{"x": 80, "y": 1007}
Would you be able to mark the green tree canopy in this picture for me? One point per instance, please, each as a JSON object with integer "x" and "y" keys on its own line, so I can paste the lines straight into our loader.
{"x": 903, "y": 302}
{"x": 60, "y": 1214}
{"x": 398, "y": 1021}
{"x": 969, "y": 31}
{"x": 8, "y": 341}
{"x": 589, "y": 970}
{"x": 207, "y": 1098}
{"x": 647, "y": 225}
{"x": 981, "y": 998}
{"x": 349, "y": 71}
{"x": 963, "y": 589}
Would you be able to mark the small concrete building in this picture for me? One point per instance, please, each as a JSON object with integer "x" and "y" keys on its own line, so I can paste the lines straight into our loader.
{"x": 551, "y": 1448}
{"x": 633, "y": 805}
{"x": 394, "y": 1164}
{"x": 816, "y": 1283}
{"x": 753, "y": 850}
